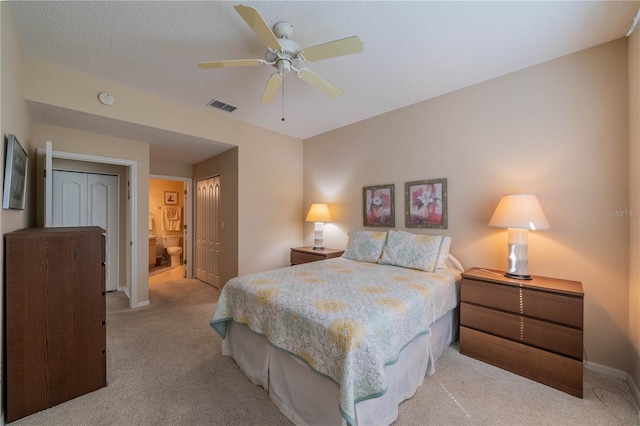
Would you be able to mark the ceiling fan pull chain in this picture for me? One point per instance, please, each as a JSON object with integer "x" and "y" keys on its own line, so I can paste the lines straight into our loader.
{"x": 283, "y": 98}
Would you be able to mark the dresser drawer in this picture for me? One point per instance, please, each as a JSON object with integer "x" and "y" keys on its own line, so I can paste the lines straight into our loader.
{"x": 550, "y": 336}
{"x": 553, "y": 370}
{"x": 555, "y": 307}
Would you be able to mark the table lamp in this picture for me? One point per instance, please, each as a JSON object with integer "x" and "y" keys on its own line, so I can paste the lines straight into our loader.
{"x": 318, "y": 213}
{"x": 519, "y": 213}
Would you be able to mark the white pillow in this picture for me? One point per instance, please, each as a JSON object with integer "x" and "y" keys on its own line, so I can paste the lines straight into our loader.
{"x": 415, "y": 251}
{"x": 365, "y": 246}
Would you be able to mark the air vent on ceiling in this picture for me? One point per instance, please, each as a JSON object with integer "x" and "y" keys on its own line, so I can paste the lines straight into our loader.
{"x": 221, "y": 105}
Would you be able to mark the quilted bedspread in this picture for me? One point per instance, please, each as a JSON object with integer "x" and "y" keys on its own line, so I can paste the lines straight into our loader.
{"x": 346, "y": 319}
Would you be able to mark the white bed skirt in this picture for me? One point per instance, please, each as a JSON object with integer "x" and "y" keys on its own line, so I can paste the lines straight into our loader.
{"x": 307, "y": 398}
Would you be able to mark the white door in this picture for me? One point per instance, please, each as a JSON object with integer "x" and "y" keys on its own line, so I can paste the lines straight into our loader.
{"x": 208, "y": 231}
{"x": 89, "y": 199}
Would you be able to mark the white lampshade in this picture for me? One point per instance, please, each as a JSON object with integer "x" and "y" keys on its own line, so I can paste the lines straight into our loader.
{"x": 319, "y": 213}
{"x": 519, "y": 211}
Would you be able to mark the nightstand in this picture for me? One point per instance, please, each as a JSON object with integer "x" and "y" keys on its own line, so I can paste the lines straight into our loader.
{"x": 530, "y": 327}
{"x": 308, "y": 254}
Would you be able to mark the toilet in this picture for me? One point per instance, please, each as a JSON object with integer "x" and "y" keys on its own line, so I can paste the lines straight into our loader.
{"x": 171, "y": 244}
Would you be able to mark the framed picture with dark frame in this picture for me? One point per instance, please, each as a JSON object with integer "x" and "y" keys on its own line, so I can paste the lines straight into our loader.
{"x": 378, "y": 206}
{"x": 15, "y": 175}
{"x": 426, "y": 204}
{"x": 170, "y": 197}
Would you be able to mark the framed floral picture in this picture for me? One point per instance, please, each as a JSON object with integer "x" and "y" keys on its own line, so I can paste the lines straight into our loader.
{"x": 426, "y": 204}
{"x": 378, "y": 206}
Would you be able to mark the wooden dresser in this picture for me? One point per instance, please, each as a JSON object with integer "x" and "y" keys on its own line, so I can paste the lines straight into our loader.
{"x": 308, "y": 254}
{"x": 529, "y": 327}
{"x": 55, "y": 317}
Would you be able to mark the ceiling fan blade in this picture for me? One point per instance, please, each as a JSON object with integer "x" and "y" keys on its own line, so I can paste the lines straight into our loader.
{"x": 273, "y": 85}
{"x": 232, "y": 63}
{"x": 319, "y": 83}
{"x": 252, "y": 17}
{"x": 345, "y": 46}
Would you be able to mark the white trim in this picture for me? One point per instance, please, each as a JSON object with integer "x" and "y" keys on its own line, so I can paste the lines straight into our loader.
{"x": 142, "y": 304}
{"x": 617, "y": 374}
{"x": 607, "y": 371}
{"x": 48, "y": 192}
{"x": 133, "y": 219}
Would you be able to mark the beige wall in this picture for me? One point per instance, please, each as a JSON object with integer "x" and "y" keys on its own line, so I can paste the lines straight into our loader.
{"x": 14, "y": 119}
{"x": 170, "y": 168}
{"x": 225, "y": 166}
{"x": 634, "y": 202}
{"x": 269, "y": 218}
{"x": 558, "y": 130}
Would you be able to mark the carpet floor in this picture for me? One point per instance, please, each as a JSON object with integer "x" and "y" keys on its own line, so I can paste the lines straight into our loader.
{"x": 164, "y": 368}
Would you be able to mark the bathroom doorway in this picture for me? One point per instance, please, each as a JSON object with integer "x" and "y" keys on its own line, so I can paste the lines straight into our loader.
{"x": 169, "y": 233}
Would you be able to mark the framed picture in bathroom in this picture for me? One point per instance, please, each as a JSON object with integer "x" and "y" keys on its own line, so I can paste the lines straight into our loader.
{"x": 170, "y": 197}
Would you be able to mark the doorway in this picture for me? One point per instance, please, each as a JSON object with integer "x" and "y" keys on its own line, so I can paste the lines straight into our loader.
{"x": 128, "y": 209}
{"x": 169, "y": 216}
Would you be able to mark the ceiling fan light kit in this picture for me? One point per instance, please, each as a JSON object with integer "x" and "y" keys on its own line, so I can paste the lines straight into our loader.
{"x": 286, "y": 55}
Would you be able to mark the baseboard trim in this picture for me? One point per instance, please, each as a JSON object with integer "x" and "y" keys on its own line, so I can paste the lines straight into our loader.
{"x": 607, "y": 371}
{"x": 634, "y": 390}
{"x": 137, "y": 305}
{"x": 618, "y": 374}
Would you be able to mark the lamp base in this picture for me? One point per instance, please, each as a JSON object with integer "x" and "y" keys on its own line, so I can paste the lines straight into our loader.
{"x": 518, "y": 259}
{"x": 518, "y": 277}
{"x": 317, "y": 236}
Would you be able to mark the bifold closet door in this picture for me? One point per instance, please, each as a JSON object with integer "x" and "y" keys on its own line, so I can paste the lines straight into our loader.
{"x": 89, "y": 199}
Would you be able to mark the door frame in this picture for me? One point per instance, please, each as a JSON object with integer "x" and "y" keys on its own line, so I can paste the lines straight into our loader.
{"x": 188, "y": 215}
{"x": 133, "y": 176}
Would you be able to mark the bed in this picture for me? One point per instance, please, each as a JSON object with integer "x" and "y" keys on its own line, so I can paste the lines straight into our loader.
{"x": 345, "y": 340}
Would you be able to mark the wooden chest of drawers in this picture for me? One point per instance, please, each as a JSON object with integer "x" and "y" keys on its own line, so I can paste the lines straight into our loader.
{"x": 55, "y": 317}
{"x": 529, "y": 327}
{"x": 308, "y": 254}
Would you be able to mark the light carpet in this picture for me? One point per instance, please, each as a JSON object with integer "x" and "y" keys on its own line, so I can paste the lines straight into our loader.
{"x": 164, "y": 368}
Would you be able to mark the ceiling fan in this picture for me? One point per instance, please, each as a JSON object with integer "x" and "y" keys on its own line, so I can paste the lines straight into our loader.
{"x": 286, "y": 55}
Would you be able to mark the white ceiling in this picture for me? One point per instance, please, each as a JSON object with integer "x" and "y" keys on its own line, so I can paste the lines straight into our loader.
{"x": 412, "y": 51}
